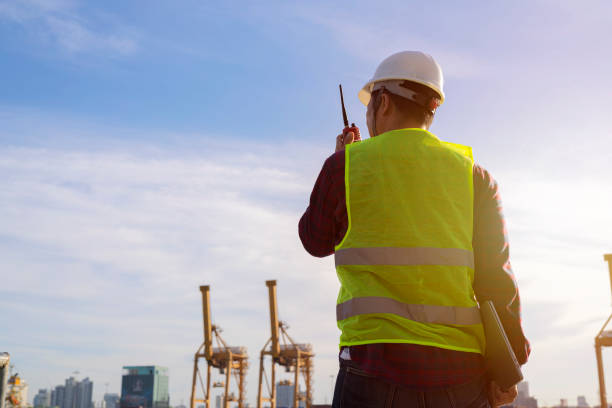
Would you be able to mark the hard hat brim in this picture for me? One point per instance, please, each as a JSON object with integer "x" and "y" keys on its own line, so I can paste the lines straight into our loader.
{"x": 365, "y": 93}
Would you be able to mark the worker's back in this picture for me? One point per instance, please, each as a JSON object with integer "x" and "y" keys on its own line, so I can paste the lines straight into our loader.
{"x": 406, "y": 262}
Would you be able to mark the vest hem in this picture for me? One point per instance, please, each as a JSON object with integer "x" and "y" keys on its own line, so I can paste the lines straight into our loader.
{"x": 422, "y": 343}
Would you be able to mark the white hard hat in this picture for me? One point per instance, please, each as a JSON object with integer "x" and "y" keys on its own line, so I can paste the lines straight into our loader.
{"x": 413, "y": 66}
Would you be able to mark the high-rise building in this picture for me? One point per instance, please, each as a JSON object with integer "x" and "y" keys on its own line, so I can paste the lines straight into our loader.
{"x": 70, "y": 388}
{"x": 144, "y": 387}
{"x": 523, "y": 399}
{"x": 523, "y": 389}
{"x": 73, "y": 394}
{"x": 57, "y": 396}
{"x": 284, "y": 395}
{"x": 42, "y": 399}
{"x": 582, "y": 402}
{"x": 83, "y": 394}
{"x": 219, "y": 401}
{"x": 111, "y": 400}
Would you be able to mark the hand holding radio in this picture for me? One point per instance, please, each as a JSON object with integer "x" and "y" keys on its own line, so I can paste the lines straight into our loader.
{"x": 344, "y": 139}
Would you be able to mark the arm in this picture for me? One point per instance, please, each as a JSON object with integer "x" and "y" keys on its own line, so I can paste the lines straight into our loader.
{"x": 493, "y": 276}
{"x": 325, "y": 221}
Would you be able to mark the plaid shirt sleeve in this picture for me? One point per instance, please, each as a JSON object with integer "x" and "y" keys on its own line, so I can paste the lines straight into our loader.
{"x": 493, "y": 277}
{"x": 325, "y": 221}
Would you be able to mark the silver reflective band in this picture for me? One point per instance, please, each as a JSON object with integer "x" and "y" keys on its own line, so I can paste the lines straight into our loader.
{"x": 418, "y": 313}
{"x": 404, "y": 256}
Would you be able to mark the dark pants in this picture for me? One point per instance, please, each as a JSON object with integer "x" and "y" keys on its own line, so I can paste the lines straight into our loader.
{"x": 355, "y": 388}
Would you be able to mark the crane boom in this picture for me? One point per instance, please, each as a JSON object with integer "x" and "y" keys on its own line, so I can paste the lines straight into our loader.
{"x": 207, "y": 323}
{"x": 271, "y": 284}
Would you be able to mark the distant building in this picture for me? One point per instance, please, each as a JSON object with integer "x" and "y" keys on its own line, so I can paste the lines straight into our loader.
{"x": 70, "y": 388}
{"x": 57, "y": 396}
{"x": 83, "y": 396}
{"x": 582, "y": 402}
{"x": 523, "y": 400}
{"x": 284, "y": 395}
{"x": 144, "y": 387}
{"x": 111, "y": 400}
{"x": 42, "y": 399}
{"x": 73, "y": 394}
{"x": 523, "y": 389}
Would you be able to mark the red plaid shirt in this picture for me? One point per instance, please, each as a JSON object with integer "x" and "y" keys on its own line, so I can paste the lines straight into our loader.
{"x": 323, "y": 226}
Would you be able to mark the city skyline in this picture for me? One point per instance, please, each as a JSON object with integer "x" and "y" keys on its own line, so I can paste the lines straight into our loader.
{"x": 72, "y": 394}
{"x": 285, "y": 392}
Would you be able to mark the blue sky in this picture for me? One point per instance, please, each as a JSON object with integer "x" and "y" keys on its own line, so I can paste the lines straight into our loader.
{"x": 150, "y": 147}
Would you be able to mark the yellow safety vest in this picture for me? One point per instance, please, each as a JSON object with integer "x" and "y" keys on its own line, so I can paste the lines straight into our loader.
{"x": 406, "y": 263}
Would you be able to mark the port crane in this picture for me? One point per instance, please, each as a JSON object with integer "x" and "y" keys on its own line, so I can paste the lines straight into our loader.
{"x": 228, "y": 360}
{"x": 295, "y": 357}
{"x": 603, "y": 339}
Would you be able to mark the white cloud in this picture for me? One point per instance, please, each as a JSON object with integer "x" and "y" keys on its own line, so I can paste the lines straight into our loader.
{"x": 21, "y": 10}
{"x": 374, "y": 40}
{"x": 75, "y": 37}
{"x": 60, "y": 23}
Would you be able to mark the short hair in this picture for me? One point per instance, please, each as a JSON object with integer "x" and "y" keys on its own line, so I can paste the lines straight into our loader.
{"x": 410, "y": 108}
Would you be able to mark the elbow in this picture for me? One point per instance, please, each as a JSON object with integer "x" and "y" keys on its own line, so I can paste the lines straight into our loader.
{"x": 318, "y": 252}
{"x": 314, "y": 250}
{"x": 315, "y": 242}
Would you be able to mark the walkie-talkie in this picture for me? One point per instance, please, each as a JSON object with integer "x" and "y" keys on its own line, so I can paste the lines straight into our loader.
{"x": 348, "y": 128}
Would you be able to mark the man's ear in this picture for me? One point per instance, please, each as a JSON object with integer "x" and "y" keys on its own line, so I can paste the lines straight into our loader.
{"x": 385, "y": 104}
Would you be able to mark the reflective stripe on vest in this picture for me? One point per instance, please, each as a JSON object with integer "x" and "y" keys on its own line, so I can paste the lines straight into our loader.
{"x": 404, "y": 256}
{"x": 418, "y": 313}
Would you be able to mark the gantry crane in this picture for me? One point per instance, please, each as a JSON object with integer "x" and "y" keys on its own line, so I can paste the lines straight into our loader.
{"x": 286, "y": 353}
{"x": 5, "y": 360}
{"x": 603, "y": 339}
{"x": 228, "y": 360}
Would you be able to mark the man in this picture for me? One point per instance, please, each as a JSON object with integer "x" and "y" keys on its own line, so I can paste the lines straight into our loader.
{"x": 418, "y": 235}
